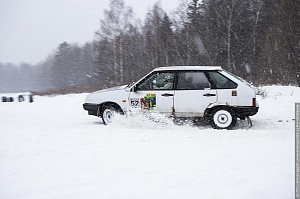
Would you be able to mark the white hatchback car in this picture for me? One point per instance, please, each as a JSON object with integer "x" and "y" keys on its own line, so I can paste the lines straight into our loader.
{"x": 181, "y": 92}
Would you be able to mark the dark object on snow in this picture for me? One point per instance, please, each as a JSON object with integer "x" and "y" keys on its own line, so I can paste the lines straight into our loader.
{"x": 30, "y": 98}
{"x": 21, "y": 98}
{"x": 7, "y": 99}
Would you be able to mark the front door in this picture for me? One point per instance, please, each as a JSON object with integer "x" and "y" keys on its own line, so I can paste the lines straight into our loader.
{"x": 193, "y": 94}
{"x": 154, "y": 93}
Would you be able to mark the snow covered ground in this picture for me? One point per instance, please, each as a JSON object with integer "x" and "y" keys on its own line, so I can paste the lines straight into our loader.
{"x": 52, "y": 149}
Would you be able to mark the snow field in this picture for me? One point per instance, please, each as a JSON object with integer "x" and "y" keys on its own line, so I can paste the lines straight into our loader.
{"x": 52, "y": 149}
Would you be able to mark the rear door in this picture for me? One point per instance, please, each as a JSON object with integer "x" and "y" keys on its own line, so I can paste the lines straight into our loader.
{"x": 193, "y": 94}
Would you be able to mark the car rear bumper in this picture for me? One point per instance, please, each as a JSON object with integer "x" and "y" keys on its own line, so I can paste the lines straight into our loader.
{"x": 245, "y": 111}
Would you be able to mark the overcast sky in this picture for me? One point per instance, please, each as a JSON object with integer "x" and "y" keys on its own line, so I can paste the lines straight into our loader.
{"x": 32, "y": 29}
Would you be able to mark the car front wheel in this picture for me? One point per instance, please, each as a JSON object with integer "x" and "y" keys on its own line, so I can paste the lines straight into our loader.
{"x": 107, "y": 114}
{"x": 223, "y": 118}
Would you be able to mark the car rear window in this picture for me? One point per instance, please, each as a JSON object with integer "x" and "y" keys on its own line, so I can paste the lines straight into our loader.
{"x": 222, "y": 82}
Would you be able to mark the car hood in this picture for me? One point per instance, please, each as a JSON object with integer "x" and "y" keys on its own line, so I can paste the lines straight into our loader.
{"x": 112, "y": 89}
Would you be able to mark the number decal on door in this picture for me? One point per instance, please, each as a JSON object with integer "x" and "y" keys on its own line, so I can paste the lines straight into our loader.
{"x": 135, "y": 102}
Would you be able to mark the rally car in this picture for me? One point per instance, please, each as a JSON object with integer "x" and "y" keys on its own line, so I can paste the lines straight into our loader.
{"x": 207, "y": 92}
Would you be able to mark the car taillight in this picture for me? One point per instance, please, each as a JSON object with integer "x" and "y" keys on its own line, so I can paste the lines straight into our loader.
{"x": 254, "y": 102}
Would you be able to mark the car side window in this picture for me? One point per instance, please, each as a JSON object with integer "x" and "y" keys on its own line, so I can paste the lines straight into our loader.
{"x": 157, "y": 81}
{"x": 222, "y": 82}
{"x": 192, "y": 81}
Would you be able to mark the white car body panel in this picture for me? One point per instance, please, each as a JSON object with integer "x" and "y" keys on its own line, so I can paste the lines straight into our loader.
{"x": 116, "y": 95}
{"x": 181, "y": 103}
{"x": 187, "y": 101}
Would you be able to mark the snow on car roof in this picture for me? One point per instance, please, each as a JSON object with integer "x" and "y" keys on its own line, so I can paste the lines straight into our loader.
{"x": 189, "y": 68}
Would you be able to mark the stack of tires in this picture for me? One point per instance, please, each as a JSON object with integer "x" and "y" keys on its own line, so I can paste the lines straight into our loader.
{"x": 7, "y": 99}
{"x": 21, "y": 98}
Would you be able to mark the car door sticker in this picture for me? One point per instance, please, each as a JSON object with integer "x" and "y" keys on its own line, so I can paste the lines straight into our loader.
{"x": 234, "y": 93}
{"x": 148, "y": 102}
{"x": 135, "y": 103}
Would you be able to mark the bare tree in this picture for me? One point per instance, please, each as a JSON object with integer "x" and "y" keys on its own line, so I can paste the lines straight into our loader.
{"x": 116, "y": 23}
{"x": 228, "y": 12}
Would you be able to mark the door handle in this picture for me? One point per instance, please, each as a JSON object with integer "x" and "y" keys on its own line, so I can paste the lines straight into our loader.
{"x": 209, "y": 95}
{"x": 167, "y": 95}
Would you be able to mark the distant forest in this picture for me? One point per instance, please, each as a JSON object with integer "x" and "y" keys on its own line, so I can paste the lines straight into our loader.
{"x": 258, "y": 40}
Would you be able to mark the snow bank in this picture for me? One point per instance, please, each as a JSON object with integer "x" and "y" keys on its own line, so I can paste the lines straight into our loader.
{"x": 280, "y": 91}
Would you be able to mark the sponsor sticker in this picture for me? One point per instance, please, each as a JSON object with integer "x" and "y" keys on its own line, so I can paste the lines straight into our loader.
{"x": 148, "y": 102}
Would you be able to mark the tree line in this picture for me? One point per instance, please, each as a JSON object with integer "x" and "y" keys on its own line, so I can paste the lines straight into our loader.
{"x": 258, "y": 40}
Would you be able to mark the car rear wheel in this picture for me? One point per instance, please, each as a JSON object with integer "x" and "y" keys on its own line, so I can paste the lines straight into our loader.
{"x": 223, "y": 118}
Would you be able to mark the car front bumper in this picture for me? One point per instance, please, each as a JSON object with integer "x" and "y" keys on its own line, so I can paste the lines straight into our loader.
{"x": 93, "y": 109}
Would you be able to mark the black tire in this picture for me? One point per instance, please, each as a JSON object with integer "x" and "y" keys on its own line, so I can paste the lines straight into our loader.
{"x": 21, "y": 98}
{"x": 30, "y": 98}
{"x": 223, "y": 118}
{"x": 107, "y": 114}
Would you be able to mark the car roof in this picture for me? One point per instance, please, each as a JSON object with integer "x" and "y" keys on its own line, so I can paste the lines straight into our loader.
{"x": 188, "y": 68}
